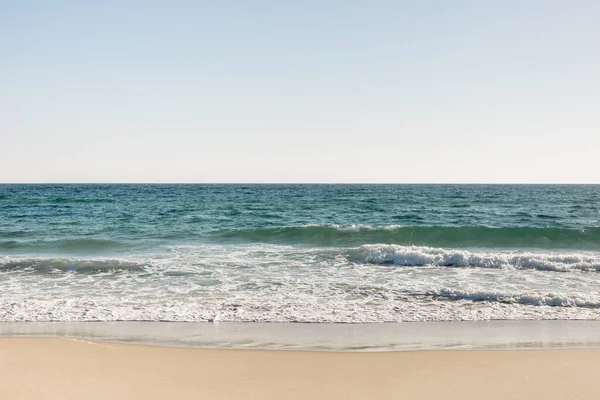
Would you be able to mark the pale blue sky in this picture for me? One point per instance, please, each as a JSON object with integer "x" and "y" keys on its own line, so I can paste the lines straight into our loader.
{"x": 303, "y": 91}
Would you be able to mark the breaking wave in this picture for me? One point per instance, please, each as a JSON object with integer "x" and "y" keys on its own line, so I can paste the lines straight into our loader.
{"x": 412, "y": 256}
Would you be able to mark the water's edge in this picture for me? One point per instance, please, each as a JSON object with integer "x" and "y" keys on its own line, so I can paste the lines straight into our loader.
{"x": 467, "y": 335}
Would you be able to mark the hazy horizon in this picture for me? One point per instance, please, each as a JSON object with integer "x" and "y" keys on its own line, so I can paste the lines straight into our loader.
{"x": 303, "y": 183}
{"x": 341, "y": 92}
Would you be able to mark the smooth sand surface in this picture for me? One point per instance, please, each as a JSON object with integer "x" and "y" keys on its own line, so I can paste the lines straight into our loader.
{"x": 48, "y": 368}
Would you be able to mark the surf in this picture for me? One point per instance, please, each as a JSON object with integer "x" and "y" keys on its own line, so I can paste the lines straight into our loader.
{"x": 434, "y": 236}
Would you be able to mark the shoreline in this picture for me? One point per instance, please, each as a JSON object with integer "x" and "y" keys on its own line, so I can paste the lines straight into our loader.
{"x": 48, "y": 368}
{"x": 406, "y": 336}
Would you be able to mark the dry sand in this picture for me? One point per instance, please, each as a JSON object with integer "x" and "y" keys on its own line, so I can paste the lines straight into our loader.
{"x": 67, "y": 369}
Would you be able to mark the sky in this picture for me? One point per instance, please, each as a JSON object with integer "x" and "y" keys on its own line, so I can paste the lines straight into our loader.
{"x": 498, "y": 91}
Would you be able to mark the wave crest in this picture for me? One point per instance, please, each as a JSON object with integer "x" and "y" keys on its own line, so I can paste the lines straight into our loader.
{"x": 65, "y": 245}
{"x": 412, "y": 256}
{"x": 435, "y": 236}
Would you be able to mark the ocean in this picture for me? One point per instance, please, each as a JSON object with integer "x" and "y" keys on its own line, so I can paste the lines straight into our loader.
{"x": 299, "y": 253}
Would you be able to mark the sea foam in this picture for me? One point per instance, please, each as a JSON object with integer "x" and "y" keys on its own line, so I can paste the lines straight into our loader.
{"x": 415, "y": 256}
{"x": 274, "y": 283}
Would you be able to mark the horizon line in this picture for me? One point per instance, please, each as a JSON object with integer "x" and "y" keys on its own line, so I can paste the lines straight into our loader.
{"x": 299, "y": 183}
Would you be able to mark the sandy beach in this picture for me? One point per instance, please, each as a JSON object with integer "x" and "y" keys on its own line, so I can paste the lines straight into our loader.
{"x": 54, "y": 368}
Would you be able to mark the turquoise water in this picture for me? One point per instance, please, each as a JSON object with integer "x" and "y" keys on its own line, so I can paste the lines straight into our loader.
{"x": 311, "y": 253}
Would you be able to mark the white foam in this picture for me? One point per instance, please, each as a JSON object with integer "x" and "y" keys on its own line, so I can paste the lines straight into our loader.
{"x": 427, "y": 256}
{"x": 535, "y": 299}
{"x": 268, "y": 283}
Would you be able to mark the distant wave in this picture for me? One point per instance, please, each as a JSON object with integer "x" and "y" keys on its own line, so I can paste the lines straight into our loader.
{"x": 435, "y": 236}
{"x": 64, "y": 245}
{"x": 67, "y": 200}
{"x": 412, "y": 256}
{"x": 60, "y": 200}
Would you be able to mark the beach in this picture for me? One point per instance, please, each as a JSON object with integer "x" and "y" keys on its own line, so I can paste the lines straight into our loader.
{"x": 244, "y": 292}
{"x": 61, "y": 368}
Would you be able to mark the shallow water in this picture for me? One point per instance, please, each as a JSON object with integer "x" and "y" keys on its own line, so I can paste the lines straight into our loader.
{"x": 465, "y": 335}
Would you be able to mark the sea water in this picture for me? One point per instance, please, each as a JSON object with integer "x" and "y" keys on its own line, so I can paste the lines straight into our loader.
{"x": 299, "y": 253}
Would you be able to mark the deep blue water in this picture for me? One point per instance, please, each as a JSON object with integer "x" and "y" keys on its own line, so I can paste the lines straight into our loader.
{"x": 86, "y": 218}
